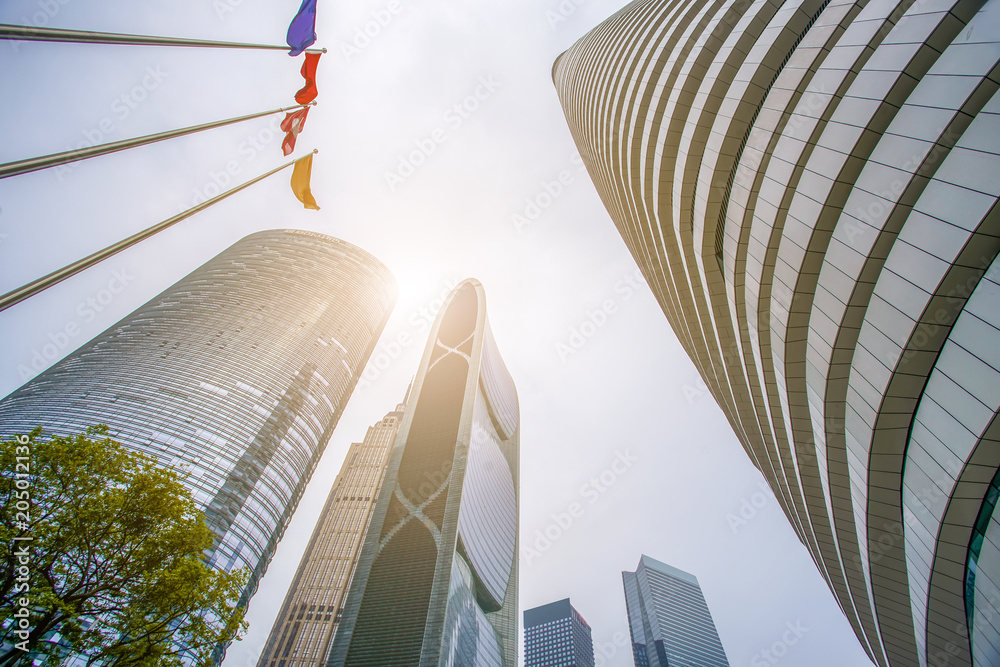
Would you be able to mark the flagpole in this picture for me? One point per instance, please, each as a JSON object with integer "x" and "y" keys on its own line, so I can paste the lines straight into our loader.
{"x": 46, "y": 161}
{"x": 37, "y": 34}
{"x": 20, "y": 294}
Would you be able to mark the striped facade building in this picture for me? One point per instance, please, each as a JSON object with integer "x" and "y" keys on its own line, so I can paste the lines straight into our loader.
{"x": 304, "y": 629}
{"x": 236, "y": 375}
{"x": 810, "y": 189}
{"x": 668, "y": 618}
{"x": 436, "y": 582}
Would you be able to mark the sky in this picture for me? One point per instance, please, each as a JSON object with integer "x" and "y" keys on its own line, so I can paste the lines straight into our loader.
{"x": 444, "y": 152}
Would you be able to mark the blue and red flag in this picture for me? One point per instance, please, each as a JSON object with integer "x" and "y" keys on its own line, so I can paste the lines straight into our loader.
{"x": 309, "y": 91}
{"x": 302, "y": 30}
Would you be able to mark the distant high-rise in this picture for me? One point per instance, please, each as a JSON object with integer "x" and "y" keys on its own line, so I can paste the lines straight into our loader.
{"x": 436, "y": 583}
{"x": 237, "y": 374}
{"x": 811, "y": 191}
{"x": 555, "y": 635}
{"x": 669, "y": 620}
{"x": 304, "y": 628}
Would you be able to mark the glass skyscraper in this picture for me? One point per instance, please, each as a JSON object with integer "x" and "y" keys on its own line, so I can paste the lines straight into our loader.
{"x": 669, "y": 620}
{"x": 436, "y": 583}
{"x": 304, "y": 628}
{"x": 810, "y": 190}
{"x": 556, "y": 635}
{"x": 237, "y": 375}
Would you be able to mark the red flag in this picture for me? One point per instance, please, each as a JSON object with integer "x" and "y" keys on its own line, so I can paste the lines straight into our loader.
{"x": 308, "y": 92}
{"x": 291, "y": 126}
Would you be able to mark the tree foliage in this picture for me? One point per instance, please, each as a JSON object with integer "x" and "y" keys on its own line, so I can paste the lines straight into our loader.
{"x": 114, "y": 563}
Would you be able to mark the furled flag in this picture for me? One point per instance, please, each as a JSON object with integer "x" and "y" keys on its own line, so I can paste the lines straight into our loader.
{"x": 308, "y": 92}
{"x": 291, "y": 126}
{"x": 301, "y": 175}
{"x": 302, "y": 30}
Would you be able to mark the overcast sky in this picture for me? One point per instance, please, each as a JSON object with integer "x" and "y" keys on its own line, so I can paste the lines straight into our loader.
{"x": 614, "y": 417}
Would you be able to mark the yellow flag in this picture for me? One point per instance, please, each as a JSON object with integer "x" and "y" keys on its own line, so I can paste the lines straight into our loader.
{"x": 301, "y": 173}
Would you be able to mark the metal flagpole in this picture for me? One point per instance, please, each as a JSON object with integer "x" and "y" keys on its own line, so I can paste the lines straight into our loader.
{"x": 20, "y": 294}
{"x": 35, "y": 34}
{"x": 36, "y": 163}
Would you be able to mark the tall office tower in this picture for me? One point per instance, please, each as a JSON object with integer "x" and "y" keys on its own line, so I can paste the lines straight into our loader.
{"x": 304, "y": 628}
{"x": 555, "y": 635}
{"x": 237, "y": 374}
{"x": 436, "y": 583}
{"x": 668, "y": 618}
{"x": 810, "y": 191}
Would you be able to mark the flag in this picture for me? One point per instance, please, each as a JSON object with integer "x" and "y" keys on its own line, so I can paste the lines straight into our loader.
{"x": 301, "y": 174}
{"x": 291, "y": 126}
{"x": 302, "y": 29}
{"x": 308, "y": 92}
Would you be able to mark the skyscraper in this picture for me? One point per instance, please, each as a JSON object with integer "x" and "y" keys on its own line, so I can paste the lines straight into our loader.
{"x": 669, "y": 619}
{"x": 236, "y": 374}
{"x": 436, "y": 583}
{"x": 555, "y": 635}
{"x": 304, "y": 628}
{"x": 810, "y": 191}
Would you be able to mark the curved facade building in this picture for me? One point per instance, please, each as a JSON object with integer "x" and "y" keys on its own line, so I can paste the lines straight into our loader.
{"x": 810, "y": 189}
{"x": 237, "y": 375}
{"x": 436, "y": 583}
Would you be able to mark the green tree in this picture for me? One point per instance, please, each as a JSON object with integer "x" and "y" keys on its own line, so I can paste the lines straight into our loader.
{"x": 114, "y": 562}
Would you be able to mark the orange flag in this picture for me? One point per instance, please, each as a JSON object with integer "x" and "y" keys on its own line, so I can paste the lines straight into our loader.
{"x": 301, "y": 175}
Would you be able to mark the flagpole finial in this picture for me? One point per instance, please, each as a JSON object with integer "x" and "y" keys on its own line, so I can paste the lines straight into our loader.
{"x": 315, "y": 150}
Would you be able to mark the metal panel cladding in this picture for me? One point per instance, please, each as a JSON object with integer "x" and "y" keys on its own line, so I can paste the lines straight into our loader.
{"x": 436, "y": 582}
{"x": 487, "y": 522}
{"x": 237, "y": 375}
{"x": 810, "y": 189}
